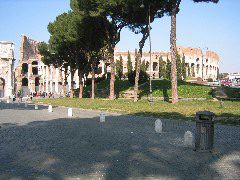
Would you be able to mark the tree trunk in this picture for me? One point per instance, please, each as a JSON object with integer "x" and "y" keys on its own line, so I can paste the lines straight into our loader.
{"x": 112, "y": 80}
{"x": 72, "y": 84}
{"x": 62, "y": 81}
{"x": 93, "y": 82}
{"x": 138, "y": 65}
{"x": 173, "y": 57}
{"x": 80, "y": 84}
{"x": 65, "y": 83}
{"x": 138, "y": 61}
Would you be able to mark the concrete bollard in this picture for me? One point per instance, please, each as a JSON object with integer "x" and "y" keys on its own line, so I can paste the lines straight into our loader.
{"x": 36, "y": 106}
{"x": 26, "y": 104}
{"x": 188, "y": 139}
{"x": 70, "y": 112}
{"x": 158, "y": 126}
{"x": 102, "y": 117}
{"x": 50, "y": 108}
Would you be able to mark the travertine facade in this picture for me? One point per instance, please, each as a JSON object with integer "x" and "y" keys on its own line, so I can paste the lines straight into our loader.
{"x": 32, "y": 75}
{"x": 6, "y": 68}
{"x": 204, "y": 65}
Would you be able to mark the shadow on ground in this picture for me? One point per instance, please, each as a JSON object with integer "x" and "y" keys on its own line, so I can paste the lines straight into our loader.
{"x": 120, "y": 148}
{"x": 21, "y": 106}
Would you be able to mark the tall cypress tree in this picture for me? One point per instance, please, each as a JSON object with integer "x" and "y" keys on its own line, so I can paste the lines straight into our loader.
{"x": 136, "y": 56}
{"x": 218, "y": 74}
{"x": 129, "y": 63}
{"x": 168, "y": 70}
{"x": 143, "y": 66}
{"x": 179, "y": 67}
{"x": 184, "y": 71}
{"x": 160, "y": 67}
{"x": 193, "y": 72}
{"x": 189, "y": 71}
{"x": 164, "y": 70}
{"x": 119, "y": 67}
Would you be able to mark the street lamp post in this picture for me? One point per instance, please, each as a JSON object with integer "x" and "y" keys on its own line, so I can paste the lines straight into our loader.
{"x": 150, "y": 46}
{"x": 150, "y": 52}
{"x": 202, "y": 66}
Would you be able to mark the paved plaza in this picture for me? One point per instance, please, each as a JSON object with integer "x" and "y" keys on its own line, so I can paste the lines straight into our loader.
{"x": 36, "y": 144}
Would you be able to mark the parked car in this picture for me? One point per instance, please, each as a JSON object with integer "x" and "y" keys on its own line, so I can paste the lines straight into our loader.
{"x": 236, "y": 83}
{"x": 226, "y": 83}
{"x": 214, "y": 83}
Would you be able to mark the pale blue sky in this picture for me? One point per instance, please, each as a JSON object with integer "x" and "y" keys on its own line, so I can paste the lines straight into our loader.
{"x": 204, "y": 25}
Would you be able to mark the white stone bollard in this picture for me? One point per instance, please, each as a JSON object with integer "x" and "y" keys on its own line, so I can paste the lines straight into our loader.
{"x": 158, "y": 126}
{"x": 36, "y": 106}
{"x": 50, "y": 108}
{"x": 102, "y": 117}
{"x": 188, "y": 139}
{"x": 70, "y": 112}
{"x": 26, "y": 104}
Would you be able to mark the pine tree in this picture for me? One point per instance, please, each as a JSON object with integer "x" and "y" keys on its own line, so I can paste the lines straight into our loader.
{"x": 129, "y": 63}
{"x": 184, "y": 71}
{"x": 168, "y": 70}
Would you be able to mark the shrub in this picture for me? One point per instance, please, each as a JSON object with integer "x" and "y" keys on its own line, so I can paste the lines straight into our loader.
{"x": 97, "y": 80}
{"x": 210, "y": 80}
{"x": 108, "y": 75}
{"x": 100, "y": 79}
{"x": 143, "y": 77}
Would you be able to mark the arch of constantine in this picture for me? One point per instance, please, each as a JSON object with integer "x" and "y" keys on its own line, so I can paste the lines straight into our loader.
{"x": 6, "y": 68}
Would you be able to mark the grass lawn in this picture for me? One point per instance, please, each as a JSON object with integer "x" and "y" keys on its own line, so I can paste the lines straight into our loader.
{"x": 229, "y": 113}
{"x": 161, "y": 88}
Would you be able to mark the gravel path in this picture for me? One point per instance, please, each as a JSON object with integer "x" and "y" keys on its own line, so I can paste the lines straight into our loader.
{"x": 35, "y": 144}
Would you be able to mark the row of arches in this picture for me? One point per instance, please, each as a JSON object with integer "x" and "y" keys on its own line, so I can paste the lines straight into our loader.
{"x": 2, "y": 87}
{"x": 34, "y": 68}
{"x": 25, "y": 81}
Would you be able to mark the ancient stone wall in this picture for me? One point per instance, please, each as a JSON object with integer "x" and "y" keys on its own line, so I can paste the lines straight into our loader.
{"x": 6, "y": 68}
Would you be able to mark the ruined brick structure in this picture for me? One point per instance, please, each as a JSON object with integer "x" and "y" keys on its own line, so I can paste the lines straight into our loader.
{"x": 32, "y": 75}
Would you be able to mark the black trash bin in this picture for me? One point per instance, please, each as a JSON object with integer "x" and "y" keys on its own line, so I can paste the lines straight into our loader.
{"x": 204, "y": 137}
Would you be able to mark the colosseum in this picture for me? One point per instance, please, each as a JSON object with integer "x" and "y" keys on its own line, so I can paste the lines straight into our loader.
{"x": 204, "y": 65}
{"x": 32, "y": 75}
